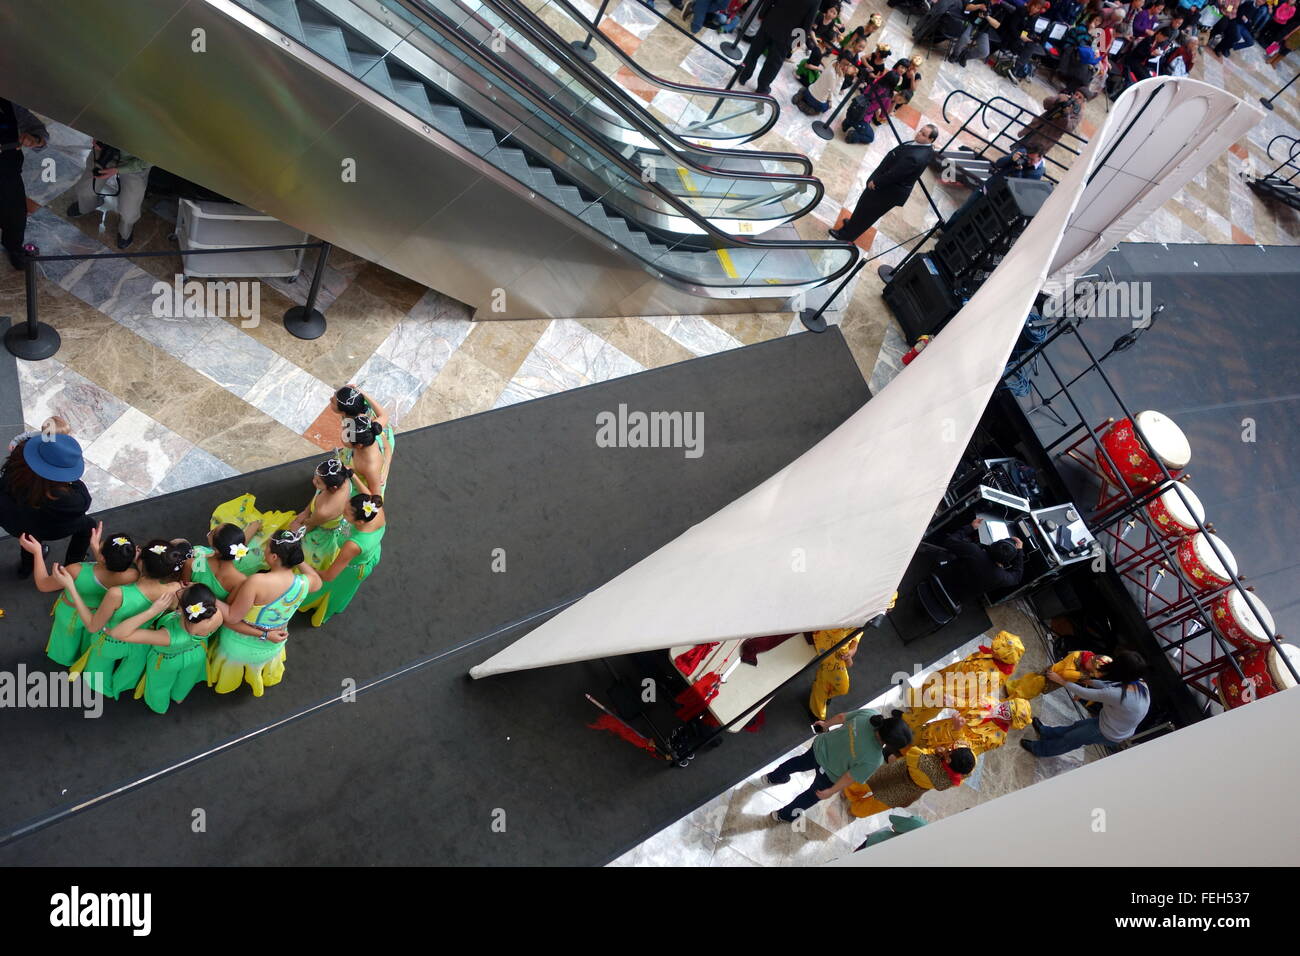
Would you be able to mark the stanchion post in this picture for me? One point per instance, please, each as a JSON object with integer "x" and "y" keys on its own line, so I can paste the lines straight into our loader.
{"x": 823, "y": 129}
{"x": 33, "y": 340}
{"x": 813, "y": 319}
{"x": 1268, "y": 103}
{"x": 583, "y": 47}
{"x": 731, "y": 49}
{"x": 304, "y": 321}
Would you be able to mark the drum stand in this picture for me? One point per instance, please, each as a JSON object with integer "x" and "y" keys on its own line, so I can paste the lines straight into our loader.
{"x": 1113, "y": 494}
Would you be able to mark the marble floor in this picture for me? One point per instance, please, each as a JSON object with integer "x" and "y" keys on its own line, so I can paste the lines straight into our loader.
{"x": 735, "y": 829}
{"x": 165, "y": 403}
{"x": 161, "y": 404}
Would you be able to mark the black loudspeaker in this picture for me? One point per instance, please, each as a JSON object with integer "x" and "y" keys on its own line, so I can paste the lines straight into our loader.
{"x": 921, "y": 298}
{"x": 1016, "y": 201}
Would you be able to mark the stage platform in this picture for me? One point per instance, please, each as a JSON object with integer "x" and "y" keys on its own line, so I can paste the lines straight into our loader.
{"x": 427, "y": 766}
{"x": 1223, "y": 361}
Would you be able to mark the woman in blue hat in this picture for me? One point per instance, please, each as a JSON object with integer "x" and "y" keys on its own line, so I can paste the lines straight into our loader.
{"x": 41, "y": 494}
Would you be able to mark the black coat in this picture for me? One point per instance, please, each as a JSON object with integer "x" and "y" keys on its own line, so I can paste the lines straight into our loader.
{"x": 786, "y": 16}
{"x": 899, "y": 171}
{"x": 60, "y": 518}
{"x": 973, "y": 573}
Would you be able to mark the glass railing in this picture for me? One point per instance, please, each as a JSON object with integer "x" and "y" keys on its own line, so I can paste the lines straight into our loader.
{"x": 381, "y": 52}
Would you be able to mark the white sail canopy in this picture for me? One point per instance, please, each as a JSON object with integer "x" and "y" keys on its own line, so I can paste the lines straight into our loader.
{"x": 780, "y": 559}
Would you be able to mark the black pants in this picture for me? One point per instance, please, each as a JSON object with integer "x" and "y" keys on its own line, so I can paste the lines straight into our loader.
{"x": 804, "y": 762}
{"x": 871, "y": 206}
{"x": 78, "y": 544}
{"x": 13, "y": 206}
{"x": 776, "y": 51}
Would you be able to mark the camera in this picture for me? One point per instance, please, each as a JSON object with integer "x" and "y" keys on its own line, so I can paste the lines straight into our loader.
{"x": 108, "y": 158}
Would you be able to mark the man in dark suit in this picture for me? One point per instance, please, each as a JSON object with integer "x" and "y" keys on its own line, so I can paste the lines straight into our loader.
{"x": 775, "y": 38}
{"x": 976, "y": 570}
{"x": 890, "y": 184}
{"x": 19, "y": 130}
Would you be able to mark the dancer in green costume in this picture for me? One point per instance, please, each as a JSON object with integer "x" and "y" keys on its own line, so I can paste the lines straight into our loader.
{"x": 114, "y": 565}
{"x": 217, "y": 564}
{"x": 263, "y": 605}
{"x": 368, "y": 440}
{"x": 176, "y": 651}
{"x": 356, "y": 559}
{"x": 326, "y": 528}
{"x": 111, "y": 665}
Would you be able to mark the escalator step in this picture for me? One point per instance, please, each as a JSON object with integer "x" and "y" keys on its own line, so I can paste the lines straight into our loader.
{"x": 450, "y": 121}
{"x": 413, "y": 97}
{"x": 481, "y": 141}
{"x": 515, "y": 163}
{"x": 328, "y": 41}
{"x": 572, "y": 199}
{"x": 371, "y": 70}
{"x": 282, "y": 13}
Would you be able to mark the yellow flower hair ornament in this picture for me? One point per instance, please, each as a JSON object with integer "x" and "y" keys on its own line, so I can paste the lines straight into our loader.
{"x": 238, "y": 551}
{"x": 158, "y": 549}
{"x": 121, "y": 541}
{"x": 193, "y": 611}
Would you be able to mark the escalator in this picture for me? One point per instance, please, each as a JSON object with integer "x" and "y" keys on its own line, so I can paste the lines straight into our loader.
{"x": 412, "y": 135}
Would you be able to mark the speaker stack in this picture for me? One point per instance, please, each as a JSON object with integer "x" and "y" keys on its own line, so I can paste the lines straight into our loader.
{"x": 928, "y": 290}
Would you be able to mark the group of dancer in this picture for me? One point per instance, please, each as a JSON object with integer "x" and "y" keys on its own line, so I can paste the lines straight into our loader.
{"x": 884, "y": 762}
{"x": 162, "y": 616}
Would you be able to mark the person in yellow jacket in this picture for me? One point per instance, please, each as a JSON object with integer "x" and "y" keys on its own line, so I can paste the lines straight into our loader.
{"x": 982, "y": 729}
{"x": 975, "y": 681}
{"x": 832, "y": 678}
{"x": 902, "y": 782}
{"x": 1074, "y": 667}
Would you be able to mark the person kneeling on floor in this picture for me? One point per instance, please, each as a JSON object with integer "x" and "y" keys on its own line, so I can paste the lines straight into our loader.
{"x": 860, "y": 743}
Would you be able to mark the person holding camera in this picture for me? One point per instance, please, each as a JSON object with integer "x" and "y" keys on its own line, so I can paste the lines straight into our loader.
{"x": 975, "y": 38}
{"x": 104, "y": 164}
{"x": 19, "y": 130}
{"x": 1022, "y": 163}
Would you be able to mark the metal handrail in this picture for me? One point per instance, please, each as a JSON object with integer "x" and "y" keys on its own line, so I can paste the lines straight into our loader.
{"x": 1012, "y": 120}
{"x": 539, "y": 31}
{"x": 717, "y": 238}
{"x": 632, "y": 115}
{"x": 758, "y": 99}
{"x": 1290, "y": 162}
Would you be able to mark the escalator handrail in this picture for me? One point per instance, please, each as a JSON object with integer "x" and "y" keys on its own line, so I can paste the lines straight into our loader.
{"x": 643, "y": 121}
{"x": 618, "y": 53}
{"x": 643, "y": 126}
{"x": 719, "y": 239}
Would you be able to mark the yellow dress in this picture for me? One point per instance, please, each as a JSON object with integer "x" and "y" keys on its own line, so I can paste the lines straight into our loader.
{"x": 237, "y": 658}
{"x": 1071, "y": 667}
{"x": 242, "y": 512}
{"x": 832, "y": 678}
{"x": 980, "y": 731}
{"x": 975, "y": 681}
{"x": 894, "y": 786}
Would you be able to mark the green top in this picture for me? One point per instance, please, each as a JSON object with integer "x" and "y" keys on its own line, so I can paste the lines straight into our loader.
{"x": 201, "y": 573}
{"x": 279, "y": 612}
{"x": 181, "y": 639}
{"x": 133, "y": 602}
{"x": 369, "y": 542}
{"x": 852, "y": 748}
{"x": 88, "y": 586}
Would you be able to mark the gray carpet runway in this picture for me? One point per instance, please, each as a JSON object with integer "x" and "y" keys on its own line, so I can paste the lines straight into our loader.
{"x": 426, "y": 766}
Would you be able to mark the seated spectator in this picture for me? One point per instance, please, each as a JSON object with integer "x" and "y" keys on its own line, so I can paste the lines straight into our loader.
{"x": 1289, "y": 43}
{"x": 1279, "y": 25}
{"x": 943, "y": 22}
{"x": 1231, "y": 31}
{"x": 1180, "y": 60}
{"x": 1065, "y": 11}
{"x": 910, "y": 79}
{"x": 817, "y": 99}
{"x": 1257, "y": 14}
{"x": 869, "y": 108}
{"x": 980, "y": 21}
{"x": 978, "y": 569}
{"x": 1146, "y": 57}
{"x": 1147, "y": 20}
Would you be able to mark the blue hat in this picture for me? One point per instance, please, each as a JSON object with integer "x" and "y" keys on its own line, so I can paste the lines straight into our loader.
{"x": 54, "y": 457}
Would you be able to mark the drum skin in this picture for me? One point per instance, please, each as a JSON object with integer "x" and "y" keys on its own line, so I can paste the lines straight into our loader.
{"x": 1265, "y": 674}
{"x": 1200, "y": 564}
{"x": 1232, "y": 618}
{"x": 1137, "y": 468}
{"x": 1171, "y": 515}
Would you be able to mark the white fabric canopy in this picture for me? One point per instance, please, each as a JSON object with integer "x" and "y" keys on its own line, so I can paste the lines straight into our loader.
{"x": 781, "y": 559}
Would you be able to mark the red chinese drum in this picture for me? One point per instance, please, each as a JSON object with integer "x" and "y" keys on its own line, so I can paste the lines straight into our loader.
{"x": 1232, "y": 618}
{"x": 1174, "y": 516}
{"x": 1138, "y": 469}
{"x": 1202, "y": 566}
{"x": 1265, "y": 674}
